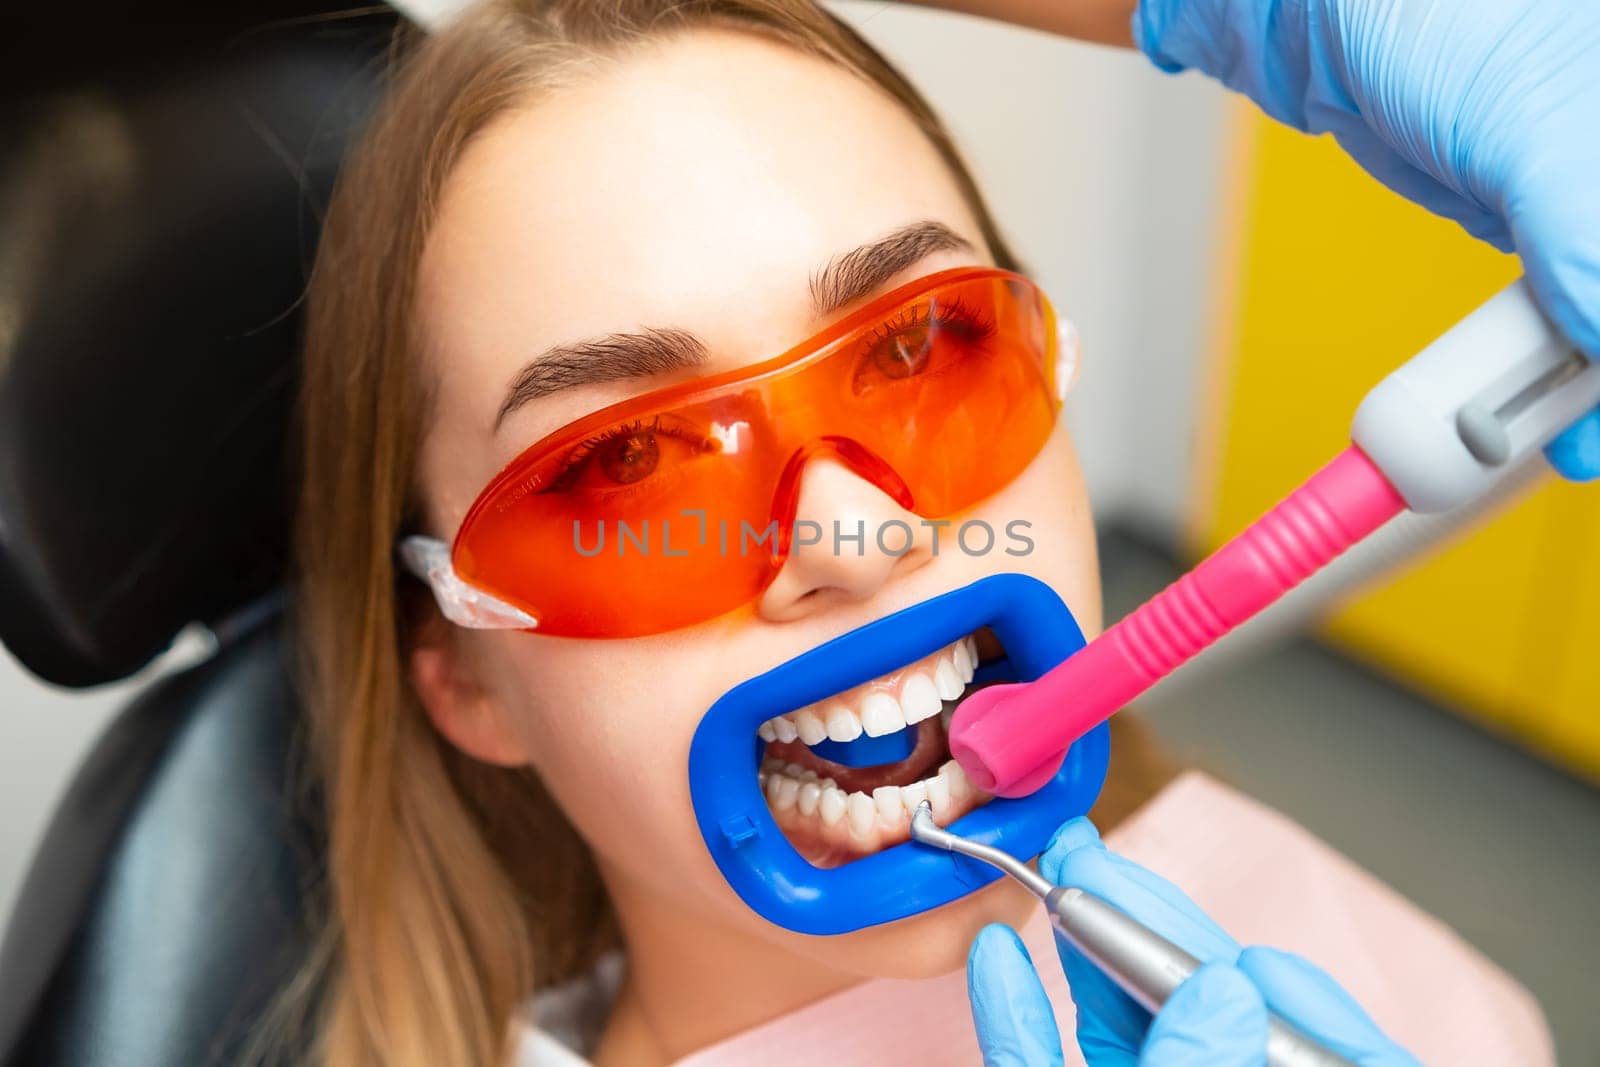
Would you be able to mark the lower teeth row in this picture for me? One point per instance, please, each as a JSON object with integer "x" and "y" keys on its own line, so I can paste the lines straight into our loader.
{"x": 789, "y": 786}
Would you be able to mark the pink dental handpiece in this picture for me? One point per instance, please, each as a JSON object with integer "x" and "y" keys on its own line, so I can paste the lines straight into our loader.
{"x": 1010, "y": 739}
{"x": 1435, "y": 434}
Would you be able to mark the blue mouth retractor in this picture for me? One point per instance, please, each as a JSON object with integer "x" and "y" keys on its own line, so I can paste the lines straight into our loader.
{"x": 867, "y": 751}
{"x": 1038, "y": 632}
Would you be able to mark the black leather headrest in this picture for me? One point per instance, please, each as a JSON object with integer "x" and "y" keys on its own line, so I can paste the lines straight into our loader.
{"x": 161, "y": 191}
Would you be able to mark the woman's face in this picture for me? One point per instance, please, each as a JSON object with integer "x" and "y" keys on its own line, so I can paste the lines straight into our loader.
{"x": 701, "y": 186}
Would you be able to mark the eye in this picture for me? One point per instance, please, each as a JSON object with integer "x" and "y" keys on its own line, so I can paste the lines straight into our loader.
{"x": 904, "y": 353}
{"x": 628, "y": 454}
{"x": 922, "y": 339}
{"x": 627, "y": 458}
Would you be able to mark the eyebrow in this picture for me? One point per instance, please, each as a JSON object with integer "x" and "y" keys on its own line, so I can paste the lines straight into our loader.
{"x": 843, "y": 280}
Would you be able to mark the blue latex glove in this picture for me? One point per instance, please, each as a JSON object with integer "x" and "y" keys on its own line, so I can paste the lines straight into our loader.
{"x": 1217, "y": 1018}
{"x": 1484, "y": 111}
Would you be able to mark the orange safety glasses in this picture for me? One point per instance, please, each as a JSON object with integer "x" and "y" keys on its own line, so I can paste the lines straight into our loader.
{"x": 679, "y": 505}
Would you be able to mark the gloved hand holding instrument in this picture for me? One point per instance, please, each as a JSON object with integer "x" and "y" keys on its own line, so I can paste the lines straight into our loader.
{"x": 1224, "y": 1006}
{"x": 1483, "y": 111}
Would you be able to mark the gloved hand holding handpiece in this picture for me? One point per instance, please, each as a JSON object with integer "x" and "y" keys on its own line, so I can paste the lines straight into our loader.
{"x": 1218, "y": 1017}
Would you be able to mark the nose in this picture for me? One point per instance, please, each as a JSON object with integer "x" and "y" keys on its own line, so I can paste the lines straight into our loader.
{"x": 849, "y": 539}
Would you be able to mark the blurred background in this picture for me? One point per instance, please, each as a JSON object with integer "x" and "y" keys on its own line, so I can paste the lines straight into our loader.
{"x": 1237, "y": 287}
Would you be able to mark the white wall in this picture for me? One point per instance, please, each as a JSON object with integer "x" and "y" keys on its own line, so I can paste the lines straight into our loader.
{"x": 1104, "y": 175}
{"x": 44, "y": 733}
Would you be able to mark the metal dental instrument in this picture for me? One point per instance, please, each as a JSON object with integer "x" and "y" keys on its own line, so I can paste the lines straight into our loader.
{"x": 1147, "y": 966}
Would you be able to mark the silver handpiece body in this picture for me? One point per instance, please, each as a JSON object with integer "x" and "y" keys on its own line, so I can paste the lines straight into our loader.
{"x": 1145, "y": 965}
{"x": 1149, "y": 968}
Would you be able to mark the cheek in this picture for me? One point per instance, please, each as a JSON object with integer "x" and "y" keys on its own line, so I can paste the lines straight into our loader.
{"x": 1051, "y": 498}
{"x": 596, "y": 724}
{"x": 607, "y": 726}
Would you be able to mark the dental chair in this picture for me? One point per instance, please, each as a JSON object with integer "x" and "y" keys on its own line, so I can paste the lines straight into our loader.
{"x": 160, "y": 193}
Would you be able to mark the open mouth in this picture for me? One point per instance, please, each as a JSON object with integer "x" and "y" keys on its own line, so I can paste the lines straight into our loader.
{"x": 842, "y": 775}
{"x": 854, "y": 875}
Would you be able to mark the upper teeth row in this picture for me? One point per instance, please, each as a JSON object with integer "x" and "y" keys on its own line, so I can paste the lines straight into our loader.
{"x": 874, "y": 711}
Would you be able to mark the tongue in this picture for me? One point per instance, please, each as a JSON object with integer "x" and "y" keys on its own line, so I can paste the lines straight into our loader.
{"x": 927, "y": 752}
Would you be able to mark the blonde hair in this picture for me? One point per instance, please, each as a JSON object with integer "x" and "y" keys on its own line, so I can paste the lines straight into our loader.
{"x": 455, "y": 888}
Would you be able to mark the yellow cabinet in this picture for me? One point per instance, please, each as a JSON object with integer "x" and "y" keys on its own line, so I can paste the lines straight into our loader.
{"x": 1332, "y": 282}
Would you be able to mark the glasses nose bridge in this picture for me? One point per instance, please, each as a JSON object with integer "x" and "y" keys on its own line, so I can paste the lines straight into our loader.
{"x": 855, "y": 456}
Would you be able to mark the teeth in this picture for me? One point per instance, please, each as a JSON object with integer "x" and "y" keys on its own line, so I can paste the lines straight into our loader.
{"x": 886, "y": 798}
{"x": 788, "y": 786}
{"x": 963, "y": 661}
{"x": 947, "y": 680}
{"x": 939, "y": 795}
{"x": 960, "y": 785}
{"x": 843, "y": 725}
{"x": 832, "y": 805}
{"x": 810, "y": 726}
{"x": 939, "y": 678}
{"x": 880, "y": 714}
{"x": 862, "y": 812}
{"x": 873, "y": 710}
{"x": 919, "y": 698}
